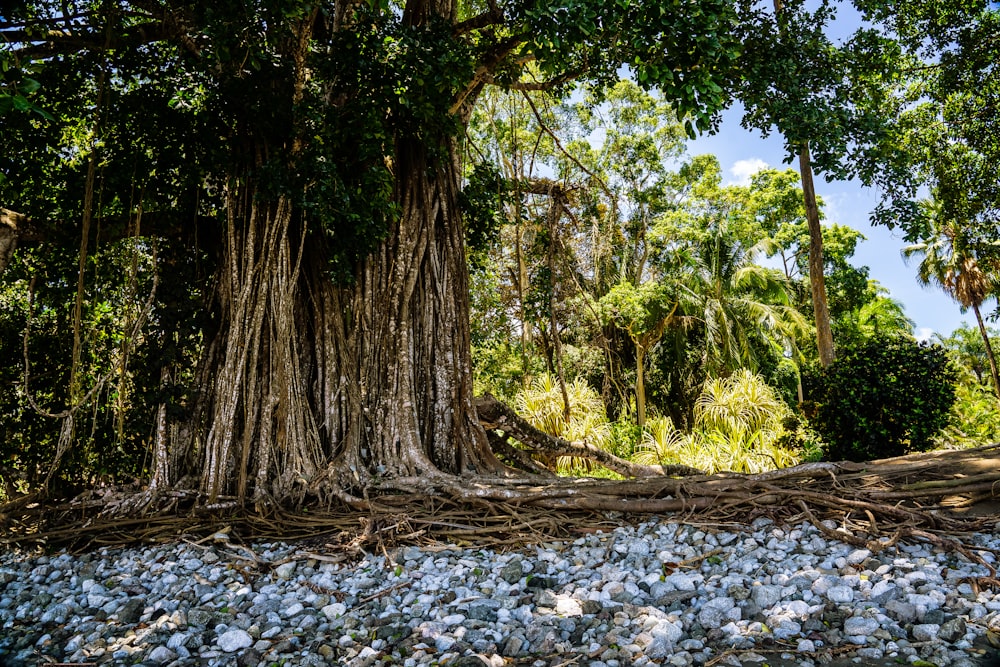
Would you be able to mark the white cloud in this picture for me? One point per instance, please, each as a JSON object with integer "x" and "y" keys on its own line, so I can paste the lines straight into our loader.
{"x": 924, "y": 333}
{"x": 742, "y": 170}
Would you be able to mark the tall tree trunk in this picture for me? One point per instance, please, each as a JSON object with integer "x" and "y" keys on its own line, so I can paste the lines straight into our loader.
{"x": 640, "y": 385}
{"x": 318, "y": 390}
{"x": 989, "y": 349}
{"x": 313, "y": 390}
{"x": 817, "y": 281}
{"x": 414, "y": 344}
{"x": 262, "y": 436}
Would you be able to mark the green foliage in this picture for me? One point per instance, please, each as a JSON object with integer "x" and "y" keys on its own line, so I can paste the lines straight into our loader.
{"x": 482, "y": 200}
{"x": 797, "y": 81}
{"x": 883, "y": 398}
{"x": 542, "y": 405}
{"x": 119, "y": 376}
{"x": 974, "y": 418}
{"x": 17, "y": 90}
{"x": 739, "y": 427}
{"x": 943, "y": 130}
{"x": 687, "y": 49}
{"x": 968, "y": 349}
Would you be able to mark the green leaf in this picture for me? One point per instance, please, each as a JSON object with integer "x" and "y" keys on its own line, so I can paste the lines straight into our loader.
{"x": 28, "y": 86}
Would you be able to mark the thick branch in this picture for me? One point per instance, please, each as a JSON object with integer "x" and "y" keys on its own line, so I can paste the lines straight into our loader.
{"x": 491, "y": 17}
{"x": 58, "y": 42}
{"x": 497, "y": 416}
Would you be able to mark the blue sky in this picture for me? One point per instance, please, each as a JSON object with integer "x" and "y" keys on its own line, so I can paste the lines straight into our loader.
{"x": 742, "y": 152}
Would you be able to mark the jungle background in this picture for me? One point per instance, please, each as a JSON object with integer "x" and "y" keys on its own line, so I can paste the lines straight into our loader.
{"x": 204, "y": 213}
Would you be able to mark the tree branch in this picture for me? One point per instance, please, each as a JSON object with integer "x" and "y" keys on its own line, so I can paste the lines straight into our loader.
{"x": 491, "y": 17}
{"x": 549, "y": 84}
{"x": 499, "y": 417}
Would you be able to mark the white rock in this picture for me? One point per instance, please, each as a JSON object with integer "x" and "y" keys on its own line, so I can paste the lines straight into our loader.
{"x": 860, "y": 626}
{"x": 233, "y": 640}
{"x": 285, "y": 570}
{"x": 293, "y": 609}
{"x": 840, "y": 594}
{"x": 568, "y": 607}
{"x": 334, "y": 611}
{"x": 161, "y": 655}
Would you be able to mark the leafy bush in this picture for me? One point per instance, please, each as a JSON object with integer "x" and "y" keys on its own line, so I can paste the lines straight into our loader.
{"x": 738, "y": 427}
{"x": 542, "y": 405}
{"x": 975, "y": 418}
{"x": 884, "y": 397}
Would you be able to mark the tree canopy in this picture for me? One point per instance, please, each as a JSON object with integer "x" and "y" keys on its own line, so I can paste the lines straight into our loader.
{"x": 237, "y": 239}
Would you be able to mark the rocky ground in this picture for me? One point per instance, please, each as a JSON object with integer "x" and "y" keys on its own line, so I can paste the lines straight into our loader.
{"x": 654, "y": 594}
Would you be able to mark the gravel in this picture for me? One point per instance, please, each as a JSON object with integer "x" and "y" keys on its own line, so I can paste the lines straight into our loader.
{"x": 654, "y": 594}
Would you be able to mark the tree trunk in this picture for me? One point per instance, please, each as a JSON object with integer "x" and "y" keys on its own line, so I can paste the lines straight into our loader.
{"x": 414, "y": 350}
{"x": 310, "y": 390}
{"x": 640, "y": 386}
{"x": 824, "y": 334}
{"x": 989, "y": 349}
{"x": 314, "y": 390}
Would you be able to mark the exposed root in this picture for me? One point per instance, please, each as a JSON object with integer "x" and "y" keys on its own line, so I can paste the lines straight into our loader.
{"x": 500, "y": 418}
{"x": 935, "y": 497}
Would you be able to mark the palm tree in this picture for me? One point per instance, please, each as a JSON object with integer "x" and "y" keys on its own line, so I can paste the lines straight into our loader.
{"x": 742, "y": 308}
{"x": 949, "y": 260}
{"x": 882, "y": 315}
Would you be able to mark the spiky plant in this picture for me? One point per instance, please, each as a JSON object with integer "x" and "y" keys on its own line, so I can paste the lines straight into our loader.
{"x": 541, "y": 404}
{"x": 738, "y": 425}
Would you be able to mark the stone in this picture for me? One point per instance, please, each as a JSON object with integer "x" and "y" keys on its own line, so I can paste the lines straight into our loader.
{"x": 840, "y": 594}
{"x": 512, "y": 571}
{"x": 285, "y": 570}
{"x": 766, "y": 596}
{"x": 953, "y": 630}
{"x": 925, "y": 632}
{"x": 249, "y": 658}
{"x": 334, "y": 611}
{"x": 293, "y": 609}
{"x": 883, "y": 591}
{"x": 483, "y": 610}
{"x": 199, "y": 618}
{"x": 546, "y": 598}
{"x": 131, "y": 611}
{"x": 161, "y": 655}
{"x": 231, "y": 641}
{"x": 513, "y": 646}
{"x": 860, "y": 626}
{"x": 858, "y": 556}
{"x": 718, "y": 611}
{"x": 903, "y": 612}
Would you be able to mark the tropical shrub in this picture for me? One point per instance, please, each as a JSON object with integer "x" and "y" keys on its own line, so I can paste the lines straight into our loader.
{"x": 542, "y": 405}
{"x": 738, "y": 427}
{"x": 881, "y": 398}
{"x": 974, "y": 419}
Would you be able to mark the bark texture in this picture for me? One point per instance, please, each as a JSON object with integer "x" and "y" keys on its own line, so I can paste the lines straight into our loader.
{"x": 821, "y": 313}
